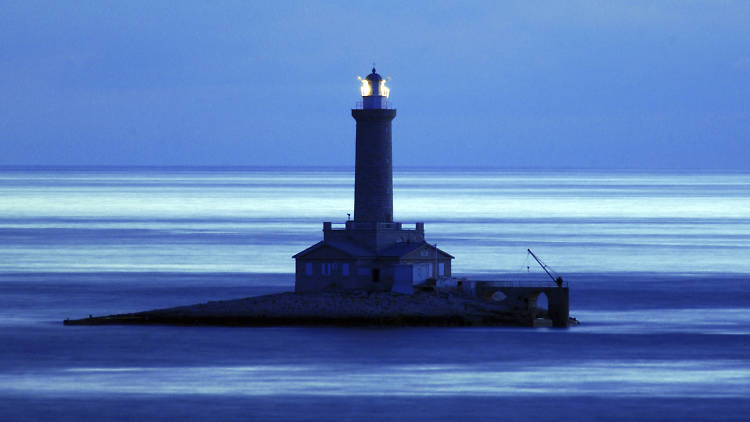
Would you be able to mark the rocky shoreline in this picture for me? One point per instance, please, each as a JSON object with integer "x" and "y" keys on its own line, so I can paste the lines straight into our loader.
{"x": 336, "y": 308}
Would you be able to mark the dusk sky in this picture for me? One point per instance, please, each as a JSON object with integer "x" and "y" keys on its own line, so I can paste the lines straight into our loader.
{"x": 615, "y": 84}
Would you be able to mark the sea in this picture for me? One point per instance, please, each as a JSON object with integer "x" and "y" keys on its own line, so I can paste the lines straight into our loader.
{"x": 657, "y": 262}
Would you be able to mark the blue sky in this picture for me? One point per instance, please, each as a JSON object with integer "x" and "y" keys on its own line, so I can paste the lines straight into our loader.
{"x": 642, "y": 85}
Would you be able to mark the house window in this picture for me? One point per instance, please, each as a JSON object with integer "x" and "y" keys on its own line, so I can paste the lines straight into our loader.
{"x": 325, "y": 268}
{"x": 345, "y": 269}
{"x": 441, "y": 269}
{"x": 308, "y": 268}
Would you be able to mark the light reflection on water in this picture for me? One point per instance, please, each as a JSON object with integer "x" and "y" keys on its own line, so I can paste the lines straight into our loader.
{"x": 204, "y": 221}
{"x": 606, "y": 378}
{"x": 724, "y": 321}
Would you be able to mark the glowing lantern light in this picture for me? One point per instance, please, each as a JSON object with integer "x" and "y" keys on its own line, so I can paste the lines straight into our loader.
{"x": 366, "y": 89}
{"x": 374, "y": 92}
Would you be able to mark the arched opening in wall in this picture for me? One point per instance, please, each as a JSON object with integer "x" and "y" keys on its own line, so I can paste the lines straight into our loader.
{"x": 542, "y": 302}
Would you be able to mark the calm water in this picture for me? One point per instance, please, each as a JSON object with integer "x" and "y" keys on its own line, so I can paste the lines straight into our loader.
{"x": 658, "y": 265}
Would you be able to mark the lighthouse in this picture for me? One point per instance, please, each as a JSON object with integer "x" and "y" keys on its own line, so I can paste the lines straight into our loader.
{"x": 371, "y": 252}
{"x": 373, "y": 170}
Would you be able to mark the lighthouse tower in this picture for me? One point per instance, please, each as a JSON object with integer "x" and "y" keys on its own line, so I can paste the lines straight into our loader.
{"x": 373, "y": 173}
{"x": 371, "y": 252}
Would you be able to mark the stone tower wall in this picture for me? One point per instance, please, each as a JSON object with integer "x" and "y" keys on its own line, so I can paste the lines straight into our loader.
{"x": 373, "y": 175}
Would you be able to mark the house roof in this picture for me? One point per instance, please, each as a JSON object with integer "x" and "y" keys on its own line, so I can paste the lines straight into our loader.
{"x": 405, "y": 248}
{"x": 402, "y": 248}
{"x": 347, "y": 248}
{"x": 354, "y": 250}
{"x": 350, "y": 248}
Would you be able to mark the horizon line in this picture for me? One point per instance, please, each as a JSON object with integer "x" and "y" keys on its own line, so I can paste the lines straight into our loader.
{"x": 250, "y": 167}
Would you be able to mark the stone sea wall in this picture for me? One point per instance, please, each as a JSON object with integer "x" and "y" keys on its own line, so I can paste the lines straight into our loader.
{"x": 342, "y": 308}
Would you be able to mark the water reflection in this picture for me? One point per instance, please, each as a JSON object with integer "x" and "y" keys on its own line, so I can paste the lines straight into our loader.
{"x": 602, "y": 378}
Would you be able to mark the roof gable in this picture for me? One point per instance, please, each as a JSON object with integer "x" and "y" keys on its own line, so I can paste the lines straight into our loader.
{"x": 412, "y": 250}
{"x": 332, "y": 250}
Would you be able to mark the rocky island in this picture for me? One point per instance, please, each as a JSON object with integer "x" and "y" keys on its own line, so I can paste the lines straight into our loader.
{"x": 428, "y": 307}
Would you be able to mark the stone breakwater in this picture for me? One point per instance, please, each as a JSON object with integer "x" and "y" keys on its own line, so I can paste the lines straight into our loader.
{"x": 349, "y": 308}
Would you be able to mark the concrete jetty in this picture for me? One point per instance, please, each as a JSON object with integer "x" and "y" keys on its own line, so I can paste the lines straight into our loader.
{"x": 341, "y": 308}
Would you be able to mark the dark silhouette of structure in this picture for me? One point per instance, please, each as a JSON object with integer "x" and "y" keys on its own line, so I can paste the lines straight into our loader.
{"x": 371, "y": 252}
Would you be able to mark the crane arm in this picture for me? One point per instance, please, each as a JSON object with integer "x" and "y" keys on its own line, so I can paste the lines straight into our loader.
{"x": 558, "y": 280}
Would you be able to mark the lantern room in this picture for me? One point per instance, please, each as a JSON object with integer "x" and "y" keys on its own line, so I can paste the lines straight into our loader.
{"x": 374, "y": 91}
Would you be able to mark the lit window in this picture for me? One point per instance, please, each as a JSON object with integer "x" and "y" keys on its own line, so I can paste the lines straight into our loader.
{"x": 308, "y": 268}
{"x": 345, "y": 269}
